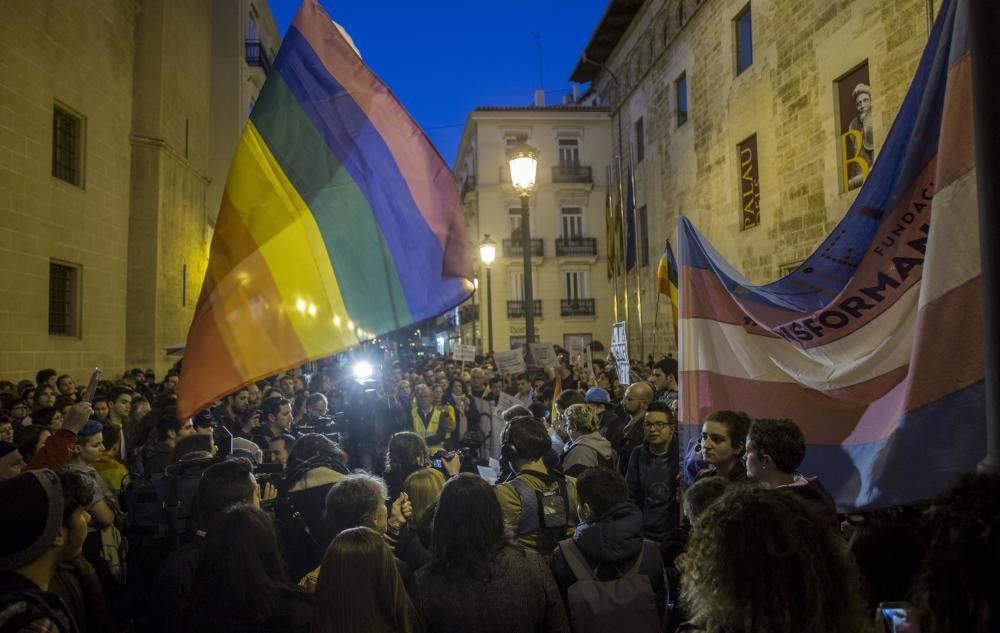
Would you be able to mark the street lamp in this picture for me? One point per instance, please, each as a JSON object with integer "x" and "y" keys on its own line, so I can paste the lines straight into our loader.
{"x": 523, "y": 161}
{"x": 488, "y": 253}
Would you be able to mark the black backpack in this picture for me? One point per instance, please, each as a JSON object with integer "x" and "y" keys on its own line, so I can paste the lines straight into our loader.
{"x": 546, "y": 513}
{"x": 39, "y": 605}
{"x": 626, "y": 603}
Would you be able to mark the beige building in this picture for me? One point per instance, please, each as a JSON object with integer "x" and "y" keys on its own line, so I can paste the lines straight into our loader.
{"x": 107, "y": 114}
{"x": 569, "y": 273}
{"x": 757, "y": 120}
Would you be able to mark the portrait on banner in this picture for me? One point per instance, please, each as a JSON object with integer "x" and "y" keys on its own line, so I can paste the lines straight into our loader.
{"x": 856, "y": 135}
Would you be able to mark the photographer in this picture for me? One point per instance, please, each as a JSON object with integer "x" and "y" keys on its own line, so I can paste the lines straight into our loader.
{"x": 407, "y": 453}
{"x": 315, "y": 463}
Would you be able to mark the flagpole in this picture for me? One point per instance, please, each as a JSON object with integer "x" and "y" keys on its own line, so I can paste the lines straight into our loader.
{"x": 638, "y": 264}
{"x": 620, "y": 240}
{"x": 984, "y": 15}
{"x": 609, "y": 239}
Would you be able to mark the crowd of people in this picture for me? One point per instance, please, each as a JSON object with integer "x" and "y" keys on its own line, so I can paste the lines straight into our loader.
{"x": 442, "y": 496}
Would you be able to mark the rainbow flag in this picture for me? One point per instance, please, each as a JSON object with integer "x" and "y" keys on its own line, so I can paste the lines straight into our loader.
{"x": 874, "y": 344}
{"x": 339, "y": 222}
{"x": 666, "y": 283}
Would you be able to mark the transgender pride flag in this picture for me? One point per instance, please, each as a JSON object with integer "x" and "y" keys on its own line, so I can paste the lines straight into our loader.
{"x": 874, "y": 345}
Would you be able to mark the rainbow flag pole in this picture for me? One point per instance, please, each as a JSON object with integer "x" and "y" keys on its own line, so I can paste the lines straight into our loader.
{"x": 339, "y": 222}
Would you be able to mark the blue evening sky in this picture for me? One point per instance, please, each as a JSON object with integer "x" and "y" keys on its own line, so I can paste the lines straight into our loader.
{"x": 445, "y": 57}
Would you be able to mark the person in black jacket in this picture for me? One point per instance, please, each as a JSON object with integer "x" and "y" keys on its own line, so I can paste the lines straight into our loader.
{"x": 477, "y": 580}
{"x": 610, "y": 536}
{"x": 653, "y": 473}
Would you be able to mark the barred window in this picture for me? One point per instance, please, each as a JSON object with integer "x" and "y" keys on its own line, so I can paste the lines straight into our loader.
{"x": 64, "y": 301}
{"x": 67, "y": 142}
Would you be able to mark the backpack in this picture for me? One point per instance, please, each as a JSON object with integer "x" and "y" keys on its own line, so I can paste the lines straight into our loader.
{"x": 546, "y": 513}
{"x": 626, "y": 603}
{"x": 179, "y": 499}
{"x": 38, "y": 605}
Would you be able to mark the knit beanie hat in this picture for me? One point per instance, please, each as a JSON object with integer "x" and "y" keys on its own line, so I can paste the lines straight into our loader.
{"x": 29, "y": 532}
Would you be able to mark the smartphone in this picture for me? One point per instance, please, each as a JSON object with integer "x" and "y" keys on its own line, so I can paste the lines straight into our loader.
{"x": 898, "y": 617}
{"x": 95, "y": 378}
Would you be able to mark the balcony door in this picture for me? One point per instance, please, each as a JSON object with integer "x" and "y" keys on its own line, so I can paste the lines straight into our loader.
{"x": 576, "y": 285}
{"x": 569, "y": 152}
{"x": 572, "y": 223}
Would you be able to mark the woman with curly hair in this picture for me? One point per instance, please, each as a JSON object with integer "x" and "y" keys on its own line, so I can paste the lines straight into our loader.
{"x": 956, "y": 590}
{"x": 759, "y": 560}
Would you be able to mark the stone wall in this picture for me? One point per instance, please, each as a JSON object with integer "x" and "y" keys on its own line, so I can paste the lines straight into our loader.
{"x": 77, "y": 54}
{"x": 787, "y": 98}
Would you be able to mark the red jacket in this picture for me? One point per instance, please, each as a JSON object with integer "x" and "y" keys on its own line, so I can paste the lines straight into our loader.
{"x": 55, "y": 453}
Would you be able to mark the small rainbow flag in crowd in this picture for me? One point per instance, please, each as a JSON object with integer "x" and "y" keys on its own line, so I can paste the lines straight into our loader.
{"x": 339, "y": 222}
{"x": 666, "y": 283}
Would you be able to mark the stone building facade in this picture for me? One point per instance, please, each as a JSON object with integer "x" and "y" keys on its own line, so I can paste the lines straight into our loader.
{"x": 106, "y": 108}
{"x": 747, "y": 117}
{"x": 569, "y": 271}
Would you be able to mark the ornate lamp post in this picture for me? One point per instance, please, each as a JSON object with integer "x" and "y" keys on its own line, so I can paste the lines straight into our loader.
{"x": 523, "y": 161}
{"x": 488, "y": 253}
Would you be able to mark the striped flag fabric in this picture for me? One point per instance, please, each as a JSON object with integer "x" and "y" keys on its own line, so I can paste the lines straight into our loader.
{"x": 666, "y": 284}
{"x": 339, "y": 222}
{"x": 874, "y": 344}
{"x": 629, "y": 223}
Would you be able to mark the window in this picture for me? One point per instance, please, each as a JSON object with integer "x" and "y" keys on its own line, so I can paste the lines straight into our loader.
{"x": 64, "y": 299}
{"x": 576, "y": 285}
{"x": 67, "y": 145}
{"x": 515, "y": 282}
{"x": 640, "y": 141}
{"x": 572, "y": 222}
{"x": 514, "y": 223}
{"x": 744, "y": 41}
{"x": 252, "y": 24}
{"x": 681, "y": 92}
{"x": 643, "y": 236}
{"x": 569, "y": 152}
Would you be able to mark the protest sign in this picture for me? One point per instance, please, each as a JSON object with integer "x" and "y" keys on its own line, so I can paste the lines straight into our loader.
{"x": 511, "y": 362}
{"x": 544, "y": 354}
{"x": 619, "y": 350}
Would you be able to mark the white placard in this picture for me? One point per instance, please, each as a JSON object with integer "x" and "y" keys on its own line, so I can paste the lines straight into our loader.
{"x": 619, "y": 350}
{"x": 504, "y": 402}
{"x": 544, "y": 355}
{"x": 464, "y": 353}
{"x": 575, "y": 346}
{"x": 511, "y": 362}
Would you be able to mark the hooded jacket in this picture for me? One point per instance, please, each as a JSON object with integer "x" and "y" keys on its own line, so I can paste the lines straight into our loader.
{"x": 610, "y": 544}
{"x": 586, "y": 452}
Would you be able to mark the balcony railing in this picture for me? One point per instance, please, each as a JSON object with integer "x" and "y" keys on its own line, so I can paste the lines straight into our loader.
{"x": 576, "y": 307}
{"x": 515, "y": 309}
{"x": 576, "y": 246}
{"x": 512, "y": 247}
{"x": 468, "y": 313}
{"x": 571, "y": 173}
{"x": 257, "y": 55}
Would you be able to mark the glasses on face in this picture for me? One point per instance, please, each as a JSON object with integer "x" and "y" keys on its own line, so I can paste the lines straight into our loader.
{"x": 656, "y": 426}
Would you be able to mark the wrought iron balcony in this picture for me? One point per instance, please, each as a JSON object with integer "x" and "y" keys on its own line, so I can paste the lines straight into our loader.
{"x": 468, "y": 313}
{"x": 512, "y": 247}
{"x": 515, "y": 309}
{"x": 576, "y": 246}
{"x": 257, "y": 55}
{"x": 576, "y": 307}
{"x": 571, "y": 173}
